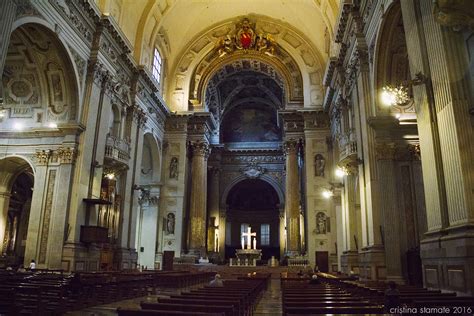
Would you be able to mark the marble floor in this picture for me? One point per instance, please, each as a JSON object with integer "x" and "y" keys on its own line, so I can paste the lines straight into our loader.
{"x": 269, "y": 304}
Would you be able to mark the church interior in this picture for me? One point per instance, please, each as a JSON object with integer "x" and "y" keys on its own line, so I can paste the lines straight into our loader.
{"x": 302, "y": 156}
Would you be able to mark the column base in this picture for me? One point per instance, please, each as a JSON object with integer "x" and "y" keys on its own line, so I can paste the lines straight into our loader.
{"x": 350, "y": 262}
{"x": 448, "y": 260}
{"x": 125, "y": 258}
{"x": 372, "y": 263}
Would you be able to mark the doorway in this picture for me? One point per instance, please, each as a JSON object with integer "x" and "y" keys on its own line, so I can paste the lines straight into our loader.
{"x": 322, "y": 261}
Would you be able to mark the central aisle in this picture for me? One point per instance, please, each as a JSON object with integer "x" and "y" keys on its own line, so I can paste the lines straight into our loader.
{"x": 270, "y": 303}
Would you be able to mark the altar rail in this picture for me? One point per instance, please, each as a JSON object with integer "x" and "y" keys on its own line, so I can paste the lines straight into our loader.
{"x": 298, "y": 262}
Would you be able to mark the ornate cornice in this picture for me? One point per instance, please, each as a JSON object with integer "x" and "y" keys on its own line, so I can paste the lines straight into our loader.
{"x": 342, "y": 21}
{"x": 455, "y": 14}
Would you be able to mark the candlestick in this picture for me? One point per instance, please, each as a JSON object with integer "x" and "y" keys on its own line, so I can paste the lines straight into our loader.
{"x": 255, "y": 243}
{"x": 243, "y": 243}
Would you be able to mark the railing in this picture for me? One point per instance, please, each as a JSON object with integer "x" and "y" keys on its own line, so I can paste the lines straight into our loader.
{"x": 298, "y": 262}
{"x": 348, "y": 151}
{"x": 117, "y": 149}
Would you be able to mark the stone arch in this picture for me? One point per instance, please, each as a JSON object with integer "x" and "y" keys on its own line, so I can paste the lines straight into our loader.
{"x": 308, "y": 59}
{"x": 40, "y": 79}
{"x": 391, "y": 66}
{"x": 11, "y": 168}
{"x": 290, "y": 82}
{"x": 151, "y": 160}
{"x": 270, "y": 180}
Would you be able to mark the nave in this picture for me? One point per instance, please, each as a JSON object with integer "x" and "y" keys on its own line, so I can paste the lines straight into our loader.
{"x": 272, "y": 291}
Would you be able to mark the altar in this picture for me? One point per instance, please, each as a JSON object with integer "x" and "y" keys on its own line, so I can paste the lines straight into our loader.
{"x": 248, "y": 255}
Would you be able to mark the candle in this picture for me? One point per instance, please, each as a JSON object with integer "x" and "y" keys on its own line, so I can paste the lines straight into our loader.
{"x": 255, "y": 243}
{"x": 243, "y": 242}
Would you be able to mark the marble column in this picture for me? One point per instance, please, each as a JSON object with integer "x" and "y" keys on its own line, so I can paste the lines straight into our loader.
{"x": 292, "y": 198}
{"x": 351, "y": 238}
{"x": 149, "y": 220}
{"x": 59, "y": 214}
{"x": 198, "y": 200}
{"x": 7, "y": 16}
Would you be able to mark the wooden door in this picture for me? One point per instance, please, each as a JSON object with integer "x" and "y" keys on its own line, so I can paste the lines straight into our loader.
{"x": 168, "y": 260}
{"x": 322, "y": 261}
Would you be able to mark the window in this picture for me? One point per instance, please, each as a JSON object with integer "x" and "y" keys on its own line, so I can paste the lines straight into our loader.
{"x": 265, "y": 235}
{"x": 243, "y": 229}
{"x": 157, "y": 64}
{"x": 228, "y": 234}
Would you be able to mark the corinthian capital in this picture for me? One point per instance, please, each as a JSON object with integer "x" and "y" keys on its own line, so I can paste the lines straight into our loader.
{"x": 290, "y": 146}
{"x": 200, "y": 148}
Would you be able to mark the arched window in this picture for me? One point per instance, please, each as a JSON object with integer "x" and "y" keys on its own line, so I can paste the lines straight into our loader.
{"x": 157, "y": 66}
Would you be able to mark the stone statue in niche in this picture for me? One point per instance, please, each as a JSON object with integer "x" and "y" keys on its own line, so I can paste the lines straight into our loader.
{"x": 174, "y": 168}
{"x": 321, "y": 223}
{"x": 319, "y": 165}
{"x": 170, "y": 220}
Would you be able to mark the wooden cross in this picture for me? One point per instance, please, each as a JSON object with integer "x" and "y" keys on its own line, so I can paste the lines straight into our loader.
{"x": 249, "y": 235}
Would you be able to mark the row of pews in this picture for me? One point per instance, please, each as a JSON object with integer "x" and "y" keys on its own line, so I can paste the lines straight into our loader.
{"x": 338, "y": 295}
{"x": 238, "y": 297}
{"x": 299, "y": 297}
{"x": 53, "y": 292}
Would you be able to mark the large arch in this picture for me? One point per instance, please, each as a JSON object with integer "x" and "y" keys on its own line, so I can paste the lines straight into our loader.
{"x": 267, "y": 178}
{"x": 40, "y": 82}
{"x": 187, "y": 72}
{"x": 15, "y": 172}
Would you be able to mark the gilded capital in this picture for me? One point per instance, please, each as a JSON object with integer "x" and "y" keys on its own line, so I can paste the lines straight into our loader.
{"x": 42, "y": 157}
{"x": 385, "y": 151}
{"x": 290, "y": 146}
{"x": 66, "y": 155}
{"x": 200, "y": 149}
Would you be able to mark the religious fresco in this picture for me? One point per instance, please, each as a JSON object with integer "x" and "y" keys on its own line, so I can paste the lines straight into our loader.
{"x": 251, "y": 123}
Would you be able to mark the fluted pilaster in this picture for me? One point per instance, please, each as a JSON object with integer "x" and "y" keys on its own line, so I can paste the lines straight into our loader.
{"x": 7, "y": 16}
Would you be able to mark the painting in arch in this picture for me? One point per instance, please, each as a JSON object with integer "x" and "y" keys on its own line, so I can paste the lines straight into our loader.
{"x": 139, "y": 134}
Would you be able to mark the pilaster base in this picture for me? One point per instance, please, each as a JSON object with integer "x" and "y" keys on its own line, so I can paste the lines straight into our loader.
{"x": 78, "y": 257}
{"x": 125, "y": 259}
{"x": 350, "y": 262}
{"x": 372, "y": 263}
{"x": 448, "y": 261}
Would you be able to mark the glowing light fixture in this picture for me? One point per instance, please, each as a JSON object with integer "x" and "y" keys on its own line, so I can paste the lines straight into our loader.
{"x": 18, "y": 126}
{"x": 110, "y": 176}
{"x": 391, "y": 96}
{"x": 327, "y": 194}
{"x": 340, "y": 172}
{"x": 52, "y": 125}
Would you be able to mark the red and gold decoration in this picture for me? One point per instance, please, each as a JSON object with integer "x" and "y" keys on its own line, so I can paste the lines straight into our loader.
{"x": 245, "y": 38}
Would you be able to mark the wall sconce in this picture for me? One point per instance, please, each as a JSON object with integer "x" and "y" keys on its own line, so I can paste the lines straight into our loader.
{"x": 327, "y": 194}
{"x": 110, "y": 176}
{"x": 341, "y": 172}
{"x": 392, "y": 95}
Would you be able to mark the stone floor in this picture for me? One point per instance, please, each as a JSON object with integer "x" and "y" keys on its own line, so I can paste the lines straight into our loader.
{"x": 270, "y": 303}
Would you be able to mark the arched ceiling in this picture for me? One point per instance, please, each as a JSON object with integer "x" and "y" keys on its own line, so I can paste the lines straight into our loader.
{"x": 178, "y": 22}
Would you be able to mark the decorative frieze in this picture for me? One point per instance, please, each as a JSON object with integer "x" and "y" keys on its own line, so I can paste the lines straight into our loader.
{"x": 252, "y": 159}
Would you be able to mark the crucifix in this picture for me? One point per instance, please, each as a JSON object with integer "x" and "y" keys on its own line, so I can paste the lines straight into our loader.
{"x": 249, "y": 235}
